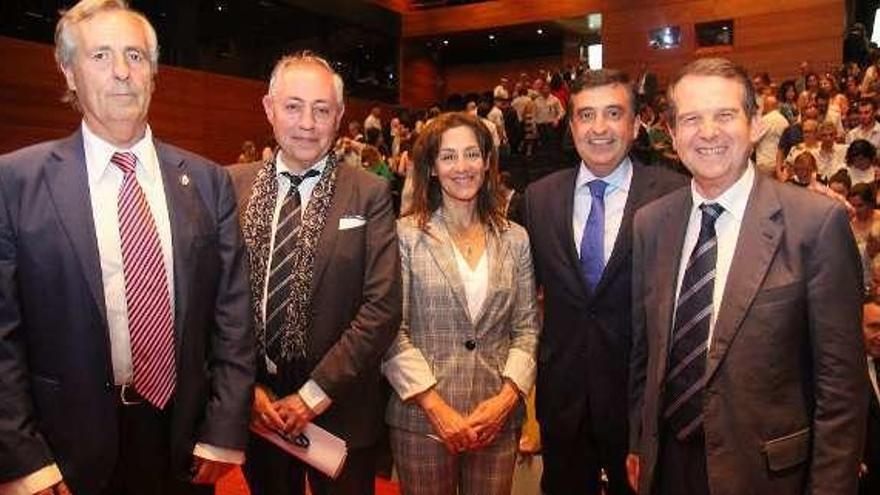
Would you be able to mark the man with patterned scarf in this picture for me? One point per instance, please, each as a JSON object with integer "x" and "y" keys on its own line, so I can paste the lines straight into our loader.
{"x": 325, "y": 284}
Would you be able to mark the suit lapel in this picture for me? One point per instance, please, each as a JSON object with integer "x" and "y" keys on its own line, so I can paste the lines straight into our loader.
{"x": 669, "y": 245}
{"x": 496, "y": 252}
{"x": 68, "y": 183}
{"x": 182, "y": 199}
{"x": 564, "y": 230}
{"x": 330, "y": 233}
{"x": 758, "y": 242}
{"x": 440, "y": 246}
{"x": 640, "y": 184}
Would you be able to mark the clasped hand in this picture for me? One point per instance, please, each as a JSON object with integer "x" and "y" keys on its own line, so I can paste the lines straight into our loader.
{"x": 478, "y": 429}
{"x": 289, "y": 414}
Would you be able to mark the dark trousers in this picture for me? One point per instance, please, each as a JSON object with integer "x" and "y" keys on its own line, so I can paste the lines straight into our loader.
{"x": 681, "y": 468}
{"x": 144, "y": 466}
{"x": 270, "y": 471}
{"x": 573, "y": 464}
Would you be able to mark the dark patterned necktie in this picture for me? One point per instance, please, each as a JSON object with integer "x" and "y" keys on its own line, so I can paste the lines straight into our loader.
{"x": 683, "y": 408}
{"x": 281, "y": 270}
{"x": 592, "y": 255}
{"x": 150, "y": 318}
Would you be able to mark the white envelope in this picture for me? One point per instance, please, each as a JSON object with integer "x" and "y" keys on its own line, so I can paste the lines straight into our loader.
{"x": 351, "y": 222}
{"x": 326, "y": 452}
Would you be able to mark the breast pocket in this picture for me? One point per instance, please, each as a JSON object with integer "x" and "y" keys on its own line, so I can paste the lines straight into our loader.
{"x": 779, "y": 294}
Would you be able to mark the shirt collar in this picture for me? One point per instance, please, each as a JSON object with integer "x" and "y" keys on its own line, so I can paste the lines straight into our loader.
{"x": 98, "y": 153}
{"x": 281, "y": 167}
{"x": 734, "y": 199}
{"x": 619, "y": 179}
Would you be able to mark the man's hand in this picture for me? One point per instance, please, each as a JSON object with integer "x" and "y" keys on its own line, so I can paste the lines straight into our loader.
{"x": 58, "y": 489}
{"x": 450, "y": 426}
{"x": 489, "y": 416}
{"x": 207, "y": 472}
{"x": 263, "y": 412}
{"x": 632, "y": 471}
{"x": 295, "y": 413}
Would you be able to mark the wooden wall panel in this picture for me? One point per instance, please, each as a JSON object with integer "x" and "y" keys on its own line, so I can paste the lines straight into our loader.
{"x": 772, "y": 36}
{"x": 206, "y": 113}
{"x": 420, "y": 82}
{"x": 509, "y": 12}
{"x": 484, "y": 77}
{"x": 400, "y": 6}
{"x": 493, "y": 14}
{"x": 768, "y": 36}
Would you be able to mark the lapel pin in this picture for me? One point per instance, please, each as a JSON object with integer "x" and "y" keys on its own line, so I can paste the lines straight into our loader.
{"x": 184, "y": 180}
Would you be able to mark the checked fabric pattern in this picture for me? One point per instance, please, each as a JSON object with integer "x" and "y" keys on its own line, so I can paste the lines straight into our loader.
{"x": 150, "y": 317}
{"x": 685, "y": 381}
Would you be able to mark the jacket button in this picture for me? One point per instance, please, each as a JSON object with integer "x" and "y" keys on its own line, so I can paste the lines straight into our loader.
{"x": 108, "y": 386}
{"x": 470, "y": 345}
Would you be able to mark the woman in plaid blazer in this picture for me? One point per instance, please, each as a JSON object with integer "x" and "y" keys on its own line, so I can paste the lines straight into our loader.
{"x": 465, "y": 353}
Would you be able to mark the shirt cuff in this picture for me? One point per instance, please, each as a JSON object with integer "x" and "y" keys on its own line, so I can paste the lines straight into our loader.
{"x": 314, "y": 397}
{"x": 409, "y": 373}
{"x": 219, "y": 454}
{"x": 34, "y": 482}
{"x": 520, "y": 369}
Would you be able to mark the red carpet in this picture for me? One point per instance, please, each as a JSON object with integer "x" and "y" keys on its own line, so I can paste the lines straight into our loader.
{"x": 233, "y": 484}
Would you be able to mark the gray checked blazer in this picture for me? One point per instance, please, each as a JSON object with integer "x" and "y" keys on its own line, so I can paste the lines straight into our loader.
{"x": 466, "y": 358}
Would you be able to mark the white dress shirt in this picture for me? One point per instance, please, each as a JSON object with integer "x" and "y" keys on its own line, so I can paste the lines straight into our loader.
{"x": 616, "y": 194}
{"x": 475, "y": 281}
{"x": 872, "y": 374}
{"x": 727, "y": 226}
{"x": 105, "y": 179}
{"x": 311, "y": 393}
{"x": 872, "y": 135}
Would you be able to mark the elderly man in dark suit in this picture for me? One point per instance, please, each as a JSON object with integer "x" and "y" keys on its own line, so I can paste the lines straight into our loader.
{"x": 579, "y": 221}
{"x": 325, "y": 284}
{"x": 126, "y": 356}
{"x": 748, "y": 366}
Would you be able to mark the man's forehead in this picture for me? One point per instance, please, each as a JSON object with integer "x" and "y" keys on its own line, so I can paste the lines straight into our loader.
{"x": 107, "y": 28}
{"x": 616, "y": 92}
{"x": 714, "y": 92}
{"x": 306, "y": 81}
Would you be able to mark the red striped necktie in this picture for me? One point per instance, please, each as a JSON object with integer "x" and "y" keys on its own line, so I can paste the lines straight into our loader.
{"x": 150, "y": 318}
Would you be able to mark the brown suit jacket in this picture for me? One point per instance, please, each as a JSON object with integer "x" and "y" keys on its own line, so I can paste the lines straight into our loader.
{"x": 356, "y": 302}
{"x": 785, "y": 399}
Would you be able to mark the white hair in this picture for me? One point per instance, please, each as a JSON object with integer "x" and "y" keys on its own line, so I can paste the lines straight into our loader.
{"x": 65, "y": 41}
{"x": 303, "y": 58}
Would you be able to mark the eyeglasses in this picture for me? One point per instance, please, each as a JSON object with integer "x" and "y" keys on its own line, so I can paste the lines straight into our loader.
{"x": 321, "y": 113}
{"x": 449, "y": 157}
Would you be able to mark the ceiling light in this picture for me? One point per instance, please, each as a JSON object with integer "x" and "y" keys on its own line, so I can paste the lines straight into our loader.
{"x": 492, "y": 37}
{"x": 446, "y": 42}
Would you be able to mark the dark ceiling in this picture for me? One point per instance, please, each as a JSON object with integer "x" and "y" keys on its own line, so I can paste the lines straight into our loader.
{"x": 245, "y": 37}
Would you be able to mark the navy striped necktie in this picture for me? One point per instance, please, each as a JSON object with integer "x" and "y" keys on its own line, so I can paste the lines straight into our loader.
{"x": 683, "y": 408}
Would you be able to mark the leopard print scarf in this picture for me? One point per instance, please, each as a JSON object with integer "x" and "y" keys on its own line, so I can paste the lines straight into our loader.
{"x": 257, "y": 230}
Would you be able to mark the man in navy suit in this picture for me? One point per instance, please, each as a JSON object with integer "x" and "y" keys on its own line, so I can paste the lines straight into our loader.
{"x": 580, "y": 223}
{"x": 126, "y": 352}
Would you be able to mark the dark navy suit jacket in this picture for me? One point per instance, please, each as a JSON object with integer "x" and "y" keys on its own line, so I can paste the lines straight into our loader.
{"x": 57, "y": 397}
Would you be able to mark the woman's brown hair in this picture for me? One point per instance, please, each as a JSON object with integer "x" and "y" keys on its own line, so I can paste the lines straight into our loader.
{"x": 427, "y": 194}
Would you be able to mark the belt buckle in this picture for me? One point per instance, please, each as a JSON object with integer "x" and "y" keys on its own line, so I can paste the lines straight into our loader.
{"x": 125, "y": 399}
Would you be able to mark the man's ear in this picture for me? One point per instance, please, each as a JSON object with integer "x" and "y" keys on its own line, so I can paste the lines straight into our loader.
{"x": 69, "y": 77}
{"x": 267, "y": 107}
